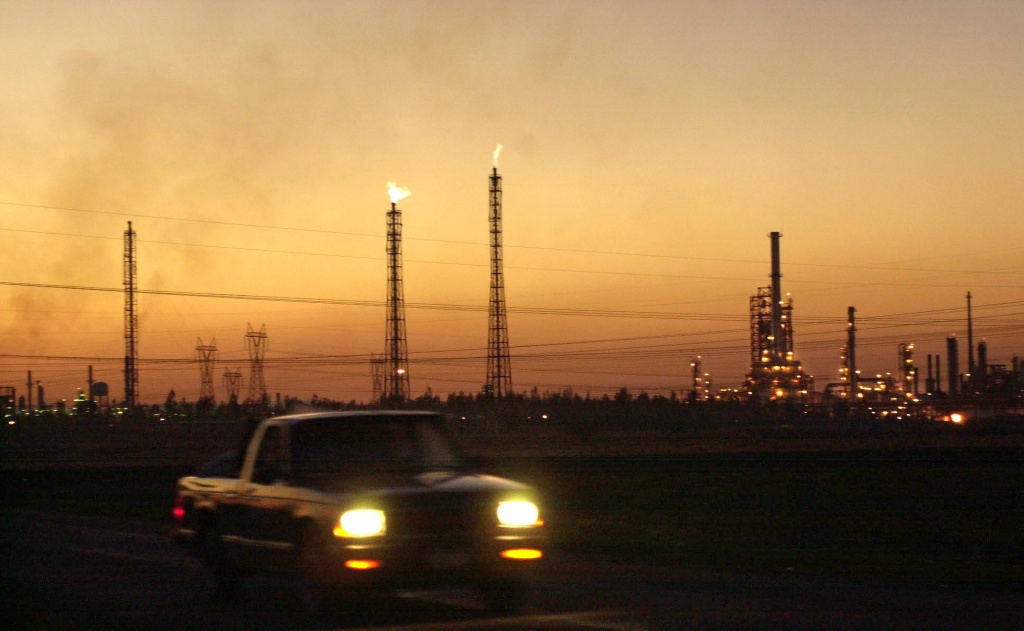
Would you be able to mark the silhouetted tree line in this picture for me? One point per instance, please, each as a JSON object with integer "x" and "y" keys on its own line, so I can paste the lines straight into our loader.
{"x": 580, "y": 415}
{"x": 583, "y": 416}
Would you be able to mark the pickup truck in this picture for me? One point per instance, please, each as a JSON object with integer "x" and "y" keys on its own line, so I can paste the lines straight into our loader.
{"x": 343, "y": 501}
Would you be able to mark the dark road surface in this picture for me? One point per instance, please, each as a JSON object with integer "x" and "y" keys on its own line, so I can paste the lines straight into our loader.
{"x": 62, "y": 571}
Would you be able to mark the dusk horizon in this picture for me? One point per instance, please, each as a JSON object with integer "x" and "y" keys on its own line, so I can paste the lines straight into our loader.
{"x": 648, "y": 151}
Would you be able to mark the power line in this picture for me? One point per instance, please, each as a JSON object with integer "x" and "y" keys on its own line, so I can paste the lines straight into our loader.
{"x": 883, "y": 321}
{"x": 479, "y": 243}
{"x": 444, "y": 356}
{"x": 632, "y": 274}
{"x": 658, "y": 315}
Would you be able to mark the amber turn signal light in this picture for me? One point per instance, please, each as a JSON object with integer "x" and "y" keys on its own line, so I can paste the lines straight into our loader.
{"x": 522, "y": 554}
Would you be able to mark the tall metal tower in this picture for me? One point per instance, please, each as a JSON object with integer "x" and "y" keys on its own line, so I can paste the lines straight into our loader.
{"x": 377, "y": 375}
{"x": 233, "y": 384}
{"x": 131, "y": 322}
{"x": 396, "y": 355}
{"x": 206, "y": 355}
{"x": 256, "y": 343}
{"x": 499, "y": 365}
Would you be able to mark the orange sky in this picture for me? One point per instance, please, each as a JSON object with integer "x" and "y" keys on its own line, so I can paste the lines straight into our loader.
{"x": 649, "y": 148}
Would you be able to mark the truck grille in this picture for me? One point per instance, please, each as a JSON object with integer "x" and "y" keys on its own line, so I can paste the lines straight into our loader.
{"x": 448, "y": 517}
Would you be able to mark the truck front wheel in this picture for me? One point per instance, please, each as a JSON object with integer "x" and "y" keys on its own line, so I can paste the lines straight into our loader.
{"x": 223, "y": 575}
{"x": 310, "y": 569}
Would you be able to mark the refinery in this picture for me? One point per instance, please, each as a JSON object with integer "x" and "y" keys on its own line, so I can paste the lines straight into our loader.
{"x": 776, "y": 378}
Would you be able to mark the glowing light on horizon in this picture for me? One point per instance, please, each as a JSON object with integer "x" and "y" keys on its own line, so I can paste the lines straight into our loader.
{"x": 397, "y": 193}
{"x": 496, "y": 152}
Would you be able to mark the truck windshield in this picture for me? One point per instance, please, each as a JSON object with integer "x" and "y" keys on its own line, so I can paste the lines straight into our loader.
{"x": 336, "y": 445}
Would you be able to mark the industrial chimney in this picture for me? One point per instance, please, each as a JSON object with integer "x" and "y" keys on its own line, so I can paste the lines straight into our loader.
{"x": 851, "y": 350}
{"x": 953, "y": 358}
{"x": 778, "y": 342}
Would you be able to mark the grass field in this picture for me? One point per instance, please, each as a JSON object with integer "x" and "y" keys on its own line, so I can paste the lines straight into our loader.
{"x": 946, "y": 515}
{"x": 938, "y": 513}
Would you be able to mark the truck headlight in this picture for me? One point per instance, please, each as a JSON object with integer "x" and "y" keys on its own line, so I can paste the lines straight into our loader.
{"x": 518, "y": 514}
{"x": 363, "y": 522}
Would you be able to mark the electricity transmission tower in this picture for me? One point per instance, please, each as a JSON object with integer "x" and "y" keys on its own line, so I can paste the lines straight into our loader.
{"x": 377, "y": 374}
{"x": 256, "y": 343}
{"x": 233, "y": 384}
{"x": 131, "y": 322}
{"x": 206, "y": 355}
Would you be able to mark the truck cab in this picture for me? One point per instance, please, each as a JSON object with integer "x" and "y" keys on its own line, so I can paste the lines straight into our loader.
{"x": 361, "y": 499}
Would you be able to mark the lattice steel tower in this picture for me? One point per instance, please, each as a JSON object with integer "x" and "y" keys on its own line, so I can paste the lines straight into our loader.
{"x": 396, "y": 355}
{"x": 499, "y": 366}
{"x": 377, "y": 376}
{"x": 131, "y": 322}
{"x": 206, "y": 355}
{"x": 233, "y": 384}
{"x": 256, "y": 343}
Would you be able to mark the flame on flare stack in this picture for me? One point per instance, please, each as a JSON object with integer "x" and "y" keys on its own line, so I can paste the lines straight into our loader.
{"x": 496, "y": 152}
{"x": 397, "y": 193}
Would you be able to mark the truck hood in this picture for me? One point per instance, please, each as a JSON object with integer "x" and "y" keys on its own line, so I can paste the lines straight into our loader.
{"x": 400, "y": 483}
